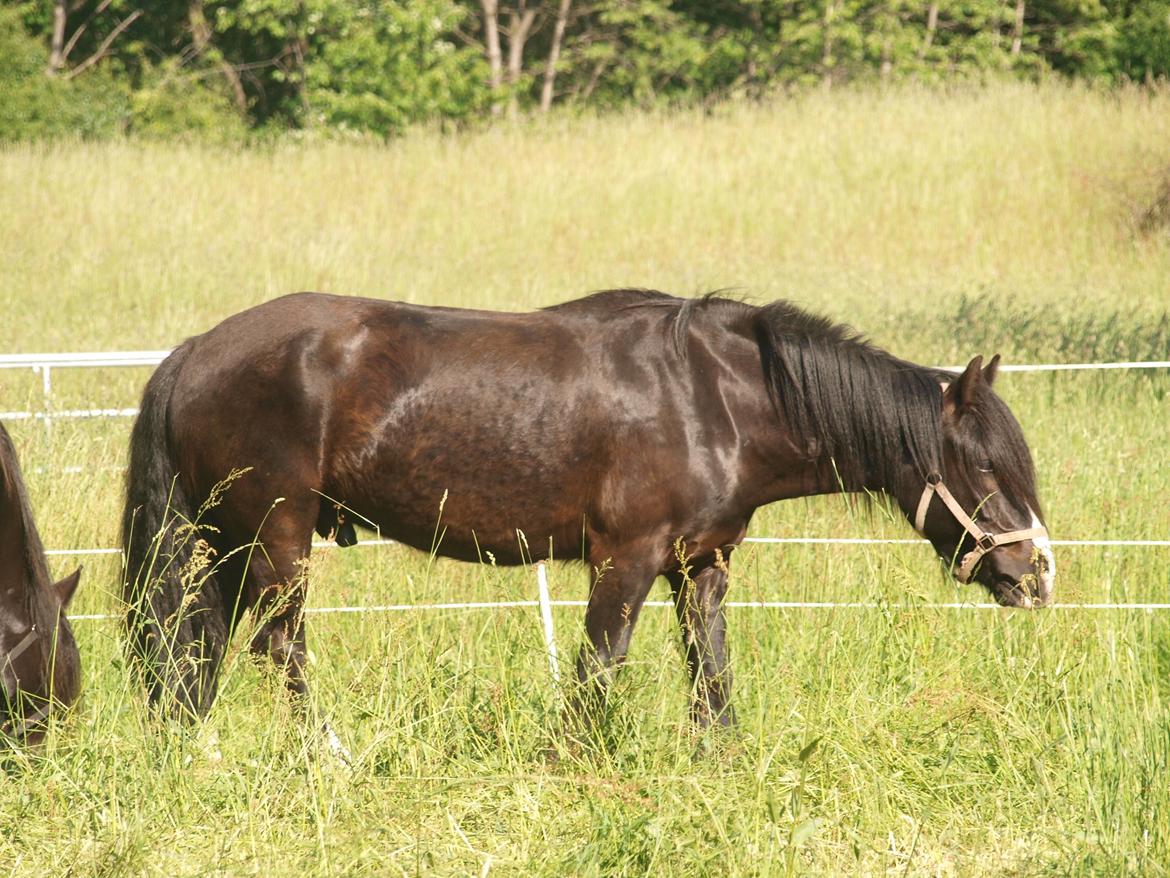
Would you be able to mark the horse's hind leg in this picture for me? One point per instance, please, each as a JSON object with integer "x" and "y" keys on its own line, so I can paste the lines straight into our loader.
{"x": 698, "y": 603}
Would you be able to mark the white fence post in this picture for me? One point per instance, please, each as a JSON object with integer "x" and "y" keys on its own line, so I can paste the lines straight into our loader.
{"x": 47, "y": 395}
{"x": 550, "y": 642}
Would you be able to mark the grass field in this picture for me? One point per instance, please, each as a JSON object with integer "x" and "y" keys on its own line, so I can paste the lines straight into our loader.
{"x": 907, "y": 739}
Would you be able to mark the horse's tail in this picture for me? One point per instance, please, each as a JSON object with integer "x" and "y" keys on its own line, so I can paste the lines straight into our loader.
{"x": 175, "y": 621}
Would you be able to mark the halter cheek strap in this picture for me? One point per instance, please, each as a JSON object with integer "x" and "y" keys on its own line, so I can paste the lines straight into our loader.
{"x": 13, "y": 727}
{"x": 984, "y": 542}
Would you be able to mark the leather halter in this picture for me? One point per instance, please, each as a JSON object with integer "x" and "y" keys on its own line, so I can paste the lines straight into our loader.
{"x": 984, "y": 542}
{"x": 15, "y": 727}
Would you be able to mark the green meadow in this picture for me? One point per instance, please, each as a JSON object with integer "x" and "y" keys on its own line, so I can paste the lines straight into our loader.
{"x": 904, "y": 739}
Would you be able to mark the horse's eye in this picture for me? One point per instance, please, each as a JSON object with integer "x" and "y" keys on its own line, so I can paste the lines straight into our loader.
{"x": 986, "y": 467}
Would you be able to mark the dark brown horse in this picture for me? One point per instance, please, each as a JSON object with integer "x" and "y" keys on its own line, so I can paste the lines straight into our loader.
{"x": 609, "y": 428}
{"x": 39, "y": 665}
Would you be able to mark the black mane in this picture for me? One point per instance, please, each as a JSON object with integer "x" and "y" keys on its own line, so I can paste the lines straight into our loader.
{"x": 864, "y": 408}
{"x": 870, "y": 411}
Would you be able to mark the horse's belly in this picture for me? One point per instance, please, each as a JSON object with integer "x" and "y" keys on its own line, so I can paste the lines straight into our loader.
{"x": 471, "y": 485}
{"x": 466, "y": 525}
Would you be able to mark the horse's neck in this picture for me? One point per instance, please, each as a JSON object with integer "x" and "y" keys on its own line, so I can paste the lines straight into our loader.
{"x": 797, "y": 467}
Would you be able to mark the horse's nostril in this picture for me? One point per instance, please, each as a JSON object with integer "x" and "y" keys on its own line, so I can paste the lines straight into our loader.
{"x": 1031, "y": 587}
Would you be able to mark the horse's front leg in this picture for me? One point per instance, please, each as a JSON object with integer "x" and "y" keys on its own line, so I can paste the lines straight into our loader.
{"x": 698, "y": 603}
{"x": 620, "y": 585}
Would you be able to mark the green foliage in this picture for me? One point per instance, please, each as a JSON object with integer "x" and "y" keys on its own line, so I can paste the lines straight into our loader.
{"x": 1074, "y": 37}
{"x": 35, "y": 105}
{"x": 647, "y": 50}
{"x": 1143, "y": 45}
{"x": 383, "y": 66}
{"x": 173, "y": 103}
{"x": 380, "y": 66}
{"x": 361, "y": 65}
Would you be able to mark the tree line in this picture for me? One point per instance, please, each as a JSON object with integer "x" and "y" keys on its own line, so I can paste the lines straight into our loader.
{"x": 227, "y": 67}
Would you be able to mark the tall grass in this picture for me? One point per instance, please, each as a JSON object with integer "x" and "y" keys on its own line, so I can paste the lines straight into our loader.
{"x": 906, "y": 740}
{"x": 852, "y": 203}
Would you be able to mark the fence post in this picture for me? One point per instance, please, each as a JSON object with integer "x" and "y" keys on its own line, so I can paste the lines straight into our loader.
{"x": 46, "y": 396}
{"x": 550, "y": 642}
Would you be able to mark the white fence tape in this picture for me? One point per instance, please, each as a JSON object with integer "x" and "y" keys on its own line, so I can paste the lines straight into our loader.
{"x": 840, "y": 541}
{"x": 545, "y": 603}
{"x": 68, "y": 413}
{"x": 82, "y": 360}
{"x": 735, "y": 605}
{"x": 1074, "y": 367}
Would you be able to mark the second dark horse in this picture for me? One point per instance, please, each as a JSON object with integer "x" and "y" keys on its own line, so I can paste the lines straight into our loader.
{"x": 40, "y": 669}
{"x": 610, "y": 428}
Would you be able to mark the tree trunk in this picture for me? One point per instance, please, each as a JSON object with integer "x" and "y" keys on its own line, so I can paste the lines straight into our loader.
{"x": 554, "y": 54}
{"x": 931, "y": 27}
{"x": 57, "y": 44}
{"x": 491, "y": 40}
{"x": 594, "y": 79}
{"x": 827, "y": 50}
{"x": 518, "y": 31}
{"x": 1018, "y": 30}
{"x": 890, "y": 24}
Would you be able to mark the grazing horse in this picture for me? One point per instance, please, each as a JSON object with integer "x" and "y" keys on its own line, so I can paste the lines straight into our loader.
{"x": 39, "y": 665}
{"x": 628, "y": 428}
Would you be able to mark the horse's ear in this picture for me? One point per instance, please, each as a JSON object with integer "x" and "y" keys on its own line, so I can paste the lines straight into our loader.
{"x": 67, "y": 586}
{"x": 961, "y": 392}
{"x": 991, "y": 370}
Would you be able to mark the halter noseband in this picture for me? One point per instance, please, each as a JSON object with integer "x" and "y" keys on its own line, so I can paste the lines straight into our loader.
{"x": 984, "y": 542}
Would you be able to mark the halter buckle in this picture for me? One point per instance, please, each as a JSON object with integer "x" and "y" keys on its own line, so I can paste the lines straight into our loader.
{"x": 986, "y": 542}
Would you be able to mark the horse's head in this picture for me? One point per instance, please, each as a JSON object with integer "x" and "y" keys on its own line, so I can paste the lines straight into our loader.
{"x": 39, "y": 663}
{"x": 981, "y": 512}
